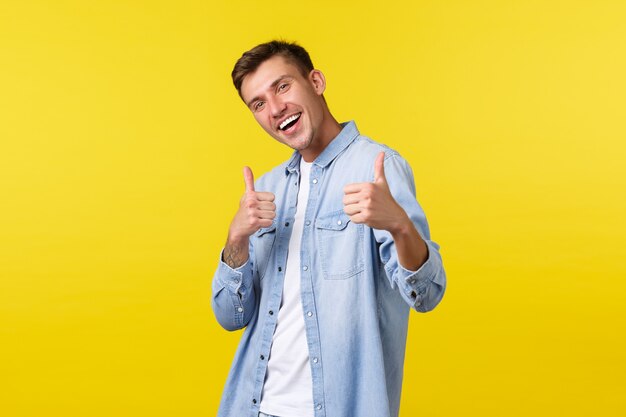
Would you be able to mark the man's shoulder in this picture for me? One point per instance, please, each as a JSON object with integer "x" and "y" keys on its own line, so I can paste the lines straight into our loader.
{"x": 367, "y": 148}
{"x": 361, "y": 155}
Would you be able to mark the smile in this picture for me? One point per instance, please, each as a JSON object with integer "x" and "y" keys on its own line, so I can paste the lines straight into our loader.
{"x": 290, "y": 121}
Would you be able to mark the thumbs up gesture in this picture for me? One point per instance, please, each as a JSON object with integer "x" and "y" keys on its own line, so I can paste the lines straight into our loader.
{"x": 256, "y": 210}
{"x": 371, "y": 203}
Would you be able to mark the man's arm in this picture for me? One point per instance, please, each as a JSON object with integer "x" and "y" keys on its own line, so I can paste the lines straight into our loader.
{"x": 412, "y": 262}
{"x": 234, "y": 300}
{"x": 236, "y": 253}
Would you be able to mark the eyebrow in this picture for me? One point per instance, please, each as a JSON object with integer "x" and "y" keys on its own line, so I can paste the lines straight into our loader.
{"x": 273, "y": 85}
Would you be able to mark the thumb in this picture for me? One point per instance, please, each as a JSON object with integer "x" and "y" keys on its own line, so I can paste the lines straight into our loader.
{"x": 248, "y": 178}
{"x": 379, "y": 168}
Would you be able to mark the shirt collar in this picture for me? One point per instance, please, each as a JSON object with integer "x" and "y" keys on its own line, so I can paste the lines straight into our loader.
{"x": 348, "y": 133}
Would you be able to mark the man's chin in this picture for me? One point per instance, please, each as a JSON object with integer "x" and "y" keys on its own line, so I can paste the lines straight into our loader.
{"x": 300, "y": 146}
{"x": 297, "y": 144}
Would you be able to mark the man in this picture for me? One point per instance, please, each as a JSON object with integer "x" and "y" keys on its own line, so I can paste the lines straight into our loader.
{"x": 324, "y": 258}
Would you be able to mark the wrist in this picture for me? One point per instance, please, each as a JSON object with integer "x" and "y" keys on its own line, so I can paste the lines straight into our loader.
{"x": 235, "y": 252}
{"x": 237, "y": 240}
{"x": 402, "y": 227}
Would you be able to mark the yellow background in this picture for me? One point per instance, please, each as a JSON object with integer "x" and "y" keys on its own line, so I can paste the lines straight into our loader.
{"x": 121, "y": 147}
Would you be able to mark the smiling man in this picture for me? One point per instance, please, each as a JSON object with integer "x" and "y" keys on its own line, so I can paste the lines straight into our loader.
{"x": 324, "y": 259}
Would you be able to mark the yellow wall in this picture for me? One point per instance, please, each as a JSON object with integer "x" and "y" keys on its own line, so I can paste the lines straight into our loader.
{"x": 121, "y": 147}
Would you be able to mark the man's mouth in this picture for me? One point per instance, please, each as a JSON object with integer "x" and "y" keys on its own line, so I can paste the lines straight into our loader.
{"x": 290, "y": 121}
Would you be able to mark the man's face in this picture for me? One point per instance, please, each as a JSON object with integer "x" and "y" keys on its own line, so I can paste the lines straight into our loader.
{"x": 286, "y": 104}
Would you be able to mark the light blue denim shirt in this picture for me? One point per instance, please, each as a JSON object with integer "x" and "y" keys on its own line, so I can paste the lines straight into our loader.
{"x": 356, "y": 297}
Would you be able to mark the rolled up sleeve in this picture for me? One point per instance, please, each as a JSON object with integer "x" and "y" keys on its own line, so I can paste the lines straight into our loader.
{"x": 233, "y": 299}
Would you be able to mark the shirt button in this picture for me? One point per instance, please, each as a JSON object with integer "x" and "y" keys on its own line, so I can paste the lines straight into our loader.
{"x": 262, "y": 357}
{"x": 309, "y": 314}
{"x": 308, "y": 222}
{"x": 339, "y": 222}
{"x": 239, "y": 309}
{"x": 315, "y": 181}
{"x": 315, "y": 360}
{"x": 280, "y": 269}
{"x": 254, "y": 401}
{"x": 306, "y": 268}
{"x": 271, "y": 313}
{"x": 319, "y": 406}
{"x": 286, "y": 224}
{"x": 412, "y": 281}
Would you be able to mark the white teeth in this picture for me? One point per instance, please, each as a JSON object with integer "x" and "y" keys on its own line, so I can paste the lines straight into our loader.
{"x": 289, "y": 120}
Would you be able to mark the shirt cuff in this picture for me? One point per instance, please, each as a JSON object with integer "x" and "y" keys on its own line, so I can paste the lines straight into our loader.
{"x": 415, "y": 283}
{"x": 230, "y": 278}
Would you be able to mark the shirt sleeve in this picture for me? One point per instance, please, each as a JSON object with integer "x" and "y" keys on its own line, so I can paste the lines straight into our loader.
{"x": 422, "y": 289}
{"x": 233, "y": 300}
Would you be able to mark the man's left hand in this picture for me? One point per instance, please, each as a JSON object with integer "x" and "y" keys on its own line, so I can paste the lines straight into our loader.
{"x": 372, "y": 203}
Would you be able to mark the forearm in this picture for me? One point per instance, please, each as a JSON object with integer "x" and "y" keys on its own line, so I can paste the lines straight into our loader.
{"x": 411, "y": 248}
{"x": 236, "y": 251}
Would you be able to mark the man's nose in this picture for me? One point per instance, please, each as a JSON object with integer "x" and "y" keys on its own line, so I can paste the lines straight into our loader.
{"x": 277, "y": 107}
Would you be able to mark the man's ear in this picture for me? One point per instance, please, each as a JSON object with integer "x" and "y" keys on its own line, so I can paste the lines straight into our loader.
{"x": 318, "y": 81}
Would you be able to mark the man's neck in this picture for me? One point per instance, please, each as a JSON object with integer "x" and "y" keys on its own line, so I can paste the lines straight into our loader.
{"x": 328, "y": 132}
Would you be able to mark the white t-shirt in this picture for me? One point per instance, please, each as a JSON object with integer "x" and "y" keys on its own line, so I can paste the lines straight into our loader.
{"x": 288, "y": 388}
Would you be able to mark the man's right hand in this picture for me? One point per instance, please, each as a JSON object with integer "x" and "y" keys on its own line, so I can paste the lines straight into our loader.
{"x": 256, "y": 210}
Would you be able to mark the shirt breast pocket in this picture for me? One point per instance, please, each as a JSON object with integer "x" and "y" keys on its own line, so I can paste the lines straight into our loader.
{"x": 340, "y": 245}
{"x": 263, "y": 241}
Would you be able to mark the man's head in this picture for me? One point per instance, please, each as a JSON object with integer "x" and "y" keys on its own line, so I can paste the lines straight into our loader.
{"x": 279, "y": 85}
{"x": 250, "y": 60}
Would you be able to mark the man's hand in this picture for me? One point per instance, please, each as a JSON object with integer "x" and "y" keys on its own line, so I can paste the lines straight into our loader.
{"x": 256, "y": 210}
{"x": 371, "y": 203}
